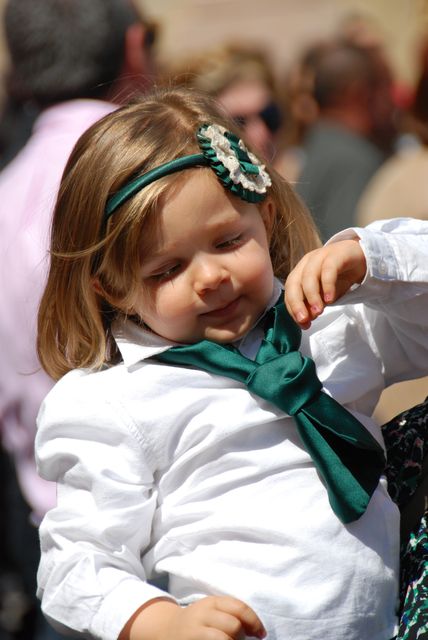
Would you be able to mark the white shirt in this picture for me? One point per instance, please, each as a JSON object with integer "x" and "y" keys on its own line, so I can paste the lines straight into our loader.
{"x": 164, "y": 469}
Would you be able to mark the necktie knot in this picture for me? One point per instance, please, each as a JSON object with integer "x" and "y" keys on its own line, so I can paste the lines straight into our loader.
{"x": 288, "y": 380}
{"x": 347, "y": 457}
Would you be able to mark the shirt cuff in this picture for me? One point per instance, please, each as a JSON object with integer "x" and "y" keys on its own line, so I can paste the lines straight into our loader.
{"x": 381, "y": 259}
{"x": 382, "y": 265}
{"x": 118, "y": 606}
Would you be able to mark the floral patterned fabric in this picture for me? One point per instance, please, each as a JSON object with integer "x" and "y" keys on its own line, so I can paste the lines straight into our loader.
{"x": 414, "y": 583}
{"x": 406, "y": 439}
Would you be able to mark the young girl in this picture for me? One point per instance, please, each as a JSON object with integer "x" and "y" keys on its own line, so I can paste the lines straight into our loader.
{"x": 224, "y": 464}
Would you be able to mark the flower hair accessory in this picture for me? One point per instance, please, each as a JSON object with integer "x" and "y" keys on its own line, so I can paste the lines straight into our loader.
{"x": 236, "y": 167}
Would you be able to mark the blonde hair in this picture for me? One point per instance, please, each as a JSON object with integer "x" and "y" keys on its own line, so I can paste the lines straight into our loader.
{"x": 94, "y": 270}
{"x": 216, "y": 70}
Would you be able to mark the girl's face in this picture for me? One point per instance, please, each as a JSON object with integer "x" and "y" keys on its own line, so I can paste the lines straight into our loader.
{"x": 206, "y": 271}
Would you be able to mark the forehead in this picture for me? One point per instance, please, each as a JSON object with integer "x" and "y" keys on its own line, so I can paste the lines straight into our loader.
{"x": 197, "y": 186}
{"x": 194, "y": 202}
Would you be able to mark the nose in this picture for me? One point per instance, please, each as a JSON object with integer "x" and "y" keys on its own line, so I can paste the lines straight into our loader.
{"x": 208, "y": 274}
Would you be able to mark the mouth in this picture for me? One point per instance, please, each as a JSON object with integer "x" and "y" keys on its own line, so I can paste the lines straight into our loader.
{"x": 224, "y": 311}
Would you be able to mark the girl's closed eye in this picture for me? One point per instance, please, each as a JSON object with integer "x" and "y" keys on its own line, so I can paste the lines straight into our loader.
{"x": 165, "y": 273}
{"x": 233, "y": 242}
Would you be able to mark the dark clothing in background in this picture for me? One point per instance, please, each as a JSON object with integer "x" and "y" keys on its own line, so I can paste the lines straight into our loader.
{"x": 337, "y": 165}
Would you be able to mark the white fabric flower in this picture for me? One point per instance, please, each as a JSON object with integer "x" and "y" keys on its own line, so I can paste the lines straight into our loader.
{"x": 225, "y": 153}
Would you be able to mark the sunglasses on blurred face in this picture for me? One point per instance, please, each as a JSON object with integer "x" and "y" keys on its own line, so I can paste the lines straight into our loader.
{"x": 270, "y": 114}
{"x": 150, "y": 35}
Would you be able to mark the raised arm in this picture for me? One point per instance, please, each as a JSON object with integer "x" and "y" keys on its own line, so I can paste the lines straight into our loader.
{"x": 380, "y": 273}
{"x": 387, "y": 252}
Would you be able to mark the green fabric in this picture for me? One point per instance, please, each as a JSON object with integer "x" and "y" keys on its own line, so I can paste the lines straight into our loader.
{"x": 208, "y": 158}
{"x": 347, "y": 457}
{"x": 223, "y": 174}
{"x": 136, "y": 185}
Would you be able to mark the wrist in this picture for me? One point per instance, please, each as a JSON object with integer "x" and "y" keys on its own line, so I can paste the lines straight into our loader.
{"x": 151, "y": 621}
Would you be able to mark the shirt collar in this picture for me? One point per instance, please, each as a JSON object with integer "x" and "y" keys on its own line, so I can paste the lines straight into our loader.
{"x": 136, "y": 343}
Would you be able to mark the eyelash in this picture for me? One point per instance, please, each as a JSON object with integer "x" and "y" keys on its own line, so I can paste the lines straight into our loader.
{"x": 169, "y": 273}
{"x": 230, "y": 243}
{"x": 165, "y": 275}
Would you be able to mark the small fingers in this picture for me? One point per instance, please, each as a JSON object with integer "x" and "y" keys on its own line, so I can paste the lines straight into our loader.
{"x": 321, "y": 277}
{"x": 240, "y": 617}
{"x": 228, "y": 624}
{"x": 210, "y": 618}
{"x": 328, "y": 278}
{"x": 304, "y": 294}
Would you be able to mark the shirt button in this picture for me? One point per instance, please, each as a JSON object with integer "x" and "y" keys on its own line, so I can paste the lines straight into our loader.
{"x": 382, "y": 268}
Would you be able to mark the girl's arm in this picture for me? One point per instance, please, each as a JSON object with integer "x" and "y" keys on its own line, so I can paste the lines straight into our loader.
{"x": 91, "y": 578}
{"x": 390, "y": 260}
{"x": 388, "y": 256}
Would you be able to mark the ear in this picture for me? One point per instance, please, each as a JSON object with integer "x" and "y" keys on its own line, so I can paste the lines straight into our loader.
{"x": 268, "y": 214}
{"x": 96, "y": 285}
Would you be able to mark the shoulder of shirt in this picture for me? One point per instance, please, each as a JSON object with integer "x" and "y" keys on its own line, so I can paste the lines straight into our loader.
{"x": 148, "y": 388}
{"x": 144, "y": 379}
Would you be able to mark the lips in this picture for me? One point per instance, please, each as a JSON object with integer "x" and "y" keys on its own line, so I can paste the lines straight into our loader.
{"x": 221, "y": 312}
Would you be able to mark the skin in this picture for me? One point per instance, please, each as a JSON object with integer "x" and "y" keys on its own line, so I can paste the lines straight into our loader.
{"x": 206, "y": 272}
{"x": 211, "y": 618}
{"x": 246, "y": 98}
{"x": 321, "y": 277}
{"x": 211, "y": 248}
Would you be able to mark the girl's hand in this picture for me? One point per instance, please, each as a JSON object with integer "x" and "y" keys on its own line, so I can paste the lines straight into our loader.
{"x": 321, "y": 277}
{"x": 215, "y": 618}
{"x": 211, "y": 618}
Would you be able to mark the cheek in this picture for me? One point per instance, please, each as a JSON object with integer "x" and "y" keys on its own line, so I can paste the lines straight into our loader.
{"x": 260, "y": 273}
{"x": 164, "y": 302}
{"x": 145, "y": 303}
{"x": 258, "y": 262}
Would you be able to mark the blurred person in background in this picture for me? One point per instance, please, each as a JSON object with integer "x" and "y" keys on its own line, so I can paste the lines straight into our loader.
{"x": 73, "y": 62}
{"x": 242, "y": 80}
{"x": 16, "y": 122}
{"x": 300, "y": 110}
{"x": 363, "y": 30}
{"x": 352, "y": 135}
{"x": 400, "y": 187}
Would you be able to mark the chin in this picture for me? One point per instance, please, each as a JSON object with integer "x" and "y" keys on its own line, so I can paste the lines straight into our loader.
{"x": 226, "y": 336}
{"x": 223, "y": 339}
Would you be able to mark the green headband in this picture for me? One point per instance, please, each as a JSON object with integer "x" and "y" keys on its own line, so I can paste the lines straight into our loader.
{"x": 238, "y": 169}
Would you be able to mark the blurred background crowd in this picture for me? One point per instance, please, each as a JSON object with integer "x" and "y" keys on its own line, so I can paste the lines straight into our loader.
{"x": 333, "y": 92}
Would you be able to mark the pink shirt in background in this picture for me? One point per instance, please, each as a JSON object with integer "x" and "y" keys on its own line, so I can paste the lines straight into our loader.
{"x": 28, "y": 188}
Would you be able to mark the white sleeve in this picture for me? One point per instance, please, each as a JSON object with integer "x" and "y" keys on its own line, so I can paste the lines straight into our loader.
{"x": 91, "y": 578}
{"x": 394, "y": 293}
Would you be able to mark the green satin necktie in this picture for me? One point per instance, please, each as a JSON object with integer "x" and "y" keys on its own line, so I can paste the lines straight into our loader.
{"x": 347, "y": 457}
